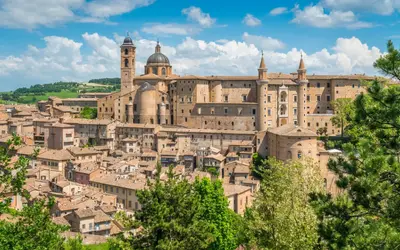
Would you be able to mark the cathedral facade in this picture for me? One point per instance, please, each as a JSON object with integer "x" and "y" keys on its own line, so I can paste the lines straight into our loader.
{"x": 244, "y": 103}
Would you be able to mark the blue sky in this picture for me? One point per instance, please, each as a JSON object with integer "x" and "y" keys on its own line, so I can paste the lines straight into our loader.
{"x": 46, "y": 41}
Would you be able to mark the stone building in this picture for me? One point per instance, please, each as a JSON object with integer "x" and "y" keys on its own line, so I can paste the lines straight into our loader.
{"x": 242, "y": 103}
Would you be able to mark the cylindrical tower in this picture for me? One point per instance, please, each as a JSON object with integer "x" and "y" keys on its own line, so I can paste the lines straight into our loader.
{"x": 302, "y": 94}
{"x": 147, "y": 104}
{"x": 163, "y": 111}
{"x": 129, "y": 112}
{"x": 262, "y": 89}
{"x": 217, "y": 89}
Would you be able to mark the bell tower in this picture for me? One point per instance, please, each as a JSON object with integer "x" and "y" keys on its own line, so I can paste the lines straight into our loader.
{"x": 128, "y": 62}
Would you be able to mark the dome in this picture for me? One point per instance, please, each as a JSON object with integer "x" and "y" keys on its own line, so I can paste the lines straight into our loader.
{"x": 158, "y": 57}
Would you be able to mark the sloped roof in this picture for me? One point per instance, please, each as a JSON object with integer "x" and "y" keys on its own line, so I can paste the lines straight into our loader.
{"x": 292, "y": 131}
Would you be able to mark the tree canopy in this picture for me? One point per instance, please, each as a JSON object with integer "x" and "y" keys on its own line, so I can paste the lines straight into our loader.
{"x": 89, "y": 113}
{"x": 366, "y": 214}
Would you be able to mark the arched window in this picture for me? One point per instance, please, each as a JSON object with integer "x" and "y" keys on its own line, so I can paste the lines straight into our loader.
{"x": 126, "y": 52}
{"x": 126, "y": 63}
{"x": 318, "y": 85}
{"x": 283, "y": 96}
{"x": 130, "y": 98}
{"x": 283, "y": 109}
{"x": 155, "y": 70}
{"x": 163, "y": 72}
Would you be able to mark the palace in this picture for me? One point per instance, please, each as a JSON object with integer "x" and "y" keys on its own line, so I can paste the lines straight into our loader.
{"x": 243, "y": 103}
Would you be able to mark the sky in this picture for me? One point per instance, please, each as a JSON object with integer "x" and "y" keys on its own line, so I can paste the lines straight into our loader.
{"x": 46, "y": 41}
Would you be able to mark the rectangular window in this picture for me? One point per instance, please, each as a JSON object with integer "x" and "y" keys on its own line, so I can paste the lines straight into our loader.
{"x": 226, "y": 110}
{"x": 318, "y": 98}
{"x": 328, "y": 98}
{"x": 226, "y": 99}
{"x": 244, "y": 98}
{"x": 295, "y": 111}
{"x": 269, "y": 112}
{"x": 254, "y": 111}
{"x": 295, "y": 98}
{"x": 269, "y": 98}
{"x": 308, "y": 98}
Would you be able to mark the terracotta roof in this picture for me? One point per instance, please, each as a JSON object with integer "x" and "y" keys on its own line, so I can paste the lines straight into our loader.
{"x": 59, "y": 155}
{"x": 100, "y": 216}
{"x": 136, "y": 125}
{"x": 232, "y": 189}
{"x": 88, "y": 121}
{"x": 115, "y": 180}
{"x": 59, "y": 125}
{"x": 80, "y": 99}
{"x": 292, "y": 131}
{"x": 29, "y": 150}
{"x": 60, "y": 221}
{"x": 84, "y": 213}
{"x": 82, "y": 151}
{"x": 65, "y": 109}
{"x": 108, "y": 208}
{"x": 218, "y": 157}
{"x": 149, "y": 154}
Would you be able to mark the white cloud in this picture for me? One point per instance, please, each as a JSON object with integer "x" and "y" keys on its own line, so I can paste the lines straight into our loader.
{"x": 169, "y": 28}
{"x": 107, "y": 8}
{"x": 64, "y": 59}
{"x": 314, "y": 15}
{"x": 195, "y": 14}
{"x": 262, "y": 42}
{"x": 251, "y": 20}
{"x": 383, "y": 7}
{"x": 31, "y": 14}
{"x": 278, "y": 11}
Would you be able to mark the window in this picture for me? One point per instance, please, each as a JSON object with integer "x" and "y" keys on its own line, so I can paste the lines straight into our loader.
{"x": 130, "y": 204}
{"x": 317, "y": 124}
{"x": 226, "y": 99}
{"x": 299, "y": 154}
{"x": 309, "y": 124}
{"x": 90, "y": 226}
{"x": 155, "y": 70}
{"x": 189, "y": 99}
{"x": 328, "y": 98}
{"x": 83, "y": 226}
{"x": 269, "y": 123}
{"x": 199, "y": 111}
{"x": 269, "y": 112}
{"x": 318, "y": 98}
{"x": 212, "y": 111}
{"x": 182, "y": 111}
{"x": 225, "y": 110}
{"x": 328, "y": 85}
{"x": 126, "y": 63}
{"x": 295, "y": 98}
{"x": 126, "y": 51}
{"x": 308, "y": 85}
{"x": 308, "y": 98}
{"x": 318, "y": 85}
{"x": 353, "y": 85}
{"x": 244, "y": 98}
{"x": 163, "y": 71}
{"x": 254, "y": 111}
{"x": 269, "y": 98}
{"x": 295, "y": 111}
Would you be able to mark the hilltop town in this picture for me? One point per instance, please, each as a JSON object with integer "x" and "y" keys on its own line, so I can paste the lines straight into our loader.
{"x": 203, "y": 126}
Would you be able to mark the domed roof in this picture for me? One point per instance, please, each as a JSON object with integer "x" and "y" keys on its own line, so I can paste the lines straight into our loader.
{"x": 128, "y": 40}
{"x": 158, "y": 57}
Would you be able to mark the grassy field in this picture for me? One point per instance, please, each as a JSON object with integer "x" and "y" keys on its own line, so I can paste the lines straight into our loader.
{"x": 63, "y": 94}
{"x": 103, "y": 246}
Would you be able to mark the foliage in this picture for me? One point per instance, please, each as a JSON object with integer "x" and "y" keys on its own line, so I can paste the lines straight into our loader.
{"x": 32, "y": 227}
{"x": 281, "y": 216}
{"x": 125, "y": 220}
{"x": 89, "y": 113}
{"x": 343, "y": 108}
{"x": 258, "y": 165}
{"x": 212, "y": 170}
{"x": 177, "y": 214}
{"x": 367, "y": 214}
{"x": 112, "y": 81}
{"x": 74, "y": 244}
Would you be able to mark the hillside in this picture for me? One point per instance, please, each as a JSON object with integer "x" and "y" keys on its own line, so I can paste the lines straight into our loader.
{"x": 40, "y": 92}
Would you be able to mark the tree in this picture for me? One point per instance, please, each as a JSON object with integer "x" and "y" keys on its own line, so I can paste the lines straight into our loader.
{"x": 89, "y": 113}
{"x": 177, "y": 214}
{"x": 367, "y": 214}
{"x": 32, "y": 227}
{"x": 343, "y": 108}
{"x": 281, "y": 216}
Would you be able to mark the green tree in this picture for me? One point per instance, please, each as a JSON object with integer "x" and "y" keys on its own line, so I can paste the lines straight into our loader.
{"x": 32, "y": 227}
{"x": 281, "y": 216}
{"x": 177, "y": 214}
{"x": 343, "y": 108}
{"x": 89, "y": 113}
{"x": 366, "y": 215}
{"x": 74, "y": 244}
